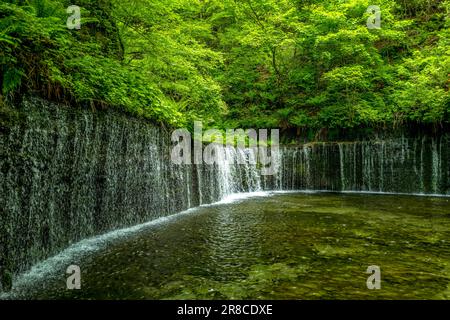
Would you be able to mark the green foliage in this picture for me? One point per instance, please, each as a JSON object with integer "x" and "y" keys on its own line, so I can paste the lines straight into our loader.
{"x": 253, "y": 63}
{"x": 317, "y": 64}
{"x": 39, "y": 54}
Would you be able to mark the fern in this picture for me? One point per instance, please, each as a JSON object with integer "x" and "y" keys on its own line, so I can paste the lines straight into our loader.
{"x": 12, "y": 79}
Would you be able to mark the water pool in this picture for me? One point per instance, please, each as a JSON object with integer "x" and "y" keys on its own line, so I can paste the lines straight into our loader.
{"x": 281, "y": 246}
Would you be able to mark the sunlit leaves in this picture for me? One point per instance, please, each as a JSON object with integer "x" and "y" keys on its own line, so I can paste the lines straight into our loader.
{"x": 250, "y": 63}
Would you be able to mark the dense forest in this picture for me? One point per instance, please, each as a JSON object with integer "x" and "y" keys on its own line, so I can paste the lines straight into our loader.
{"x": 291, "y": 64}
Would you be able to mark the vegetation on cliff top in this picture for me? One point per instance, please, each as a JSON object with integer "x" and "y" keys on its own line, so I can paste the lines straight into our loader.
{"x": 255, "y": 63}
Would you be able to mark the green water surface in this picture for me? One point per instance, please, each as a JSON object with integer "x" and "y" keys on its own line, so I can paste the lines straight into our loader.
{"x": 284, "y": 246}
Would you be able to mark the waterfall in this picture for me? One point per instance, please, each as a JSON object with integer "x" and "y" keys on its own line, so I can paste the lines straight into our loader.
{"x": 68, "y": 174}
{"x": 397, "y": 165}
{"x": 342, "y": 165}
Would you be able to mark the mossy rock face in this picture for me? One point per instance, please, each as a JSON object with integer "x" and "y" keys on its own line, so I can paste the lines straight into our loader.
{"x": 9, "y": 117}
{"x": 5, "y": 280}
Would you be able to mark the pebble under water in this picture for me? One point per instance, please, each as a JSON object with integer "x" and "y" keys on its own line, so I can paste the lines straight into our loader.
{"x": 281, "y": 246}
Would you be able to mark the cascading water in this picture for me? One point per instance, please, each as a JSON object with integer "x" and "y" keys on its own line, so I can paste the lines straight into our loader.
{"x": 397, "y": 165}
{"x": 68, "y": 174}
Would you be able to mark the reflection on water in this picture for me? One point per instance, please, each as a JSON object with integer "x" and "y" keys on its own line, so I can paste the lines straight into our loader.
{"x": 286, "y": 246}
